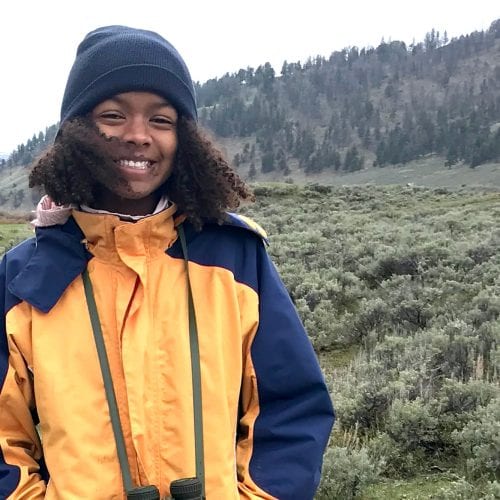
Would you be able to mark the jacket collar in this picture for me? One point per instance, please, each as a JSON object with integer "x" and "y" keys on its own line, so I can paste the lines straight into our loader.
{"x": 61, "y": 253}
{"x": 59, "y": 257}
{"x": 122, "y": 242}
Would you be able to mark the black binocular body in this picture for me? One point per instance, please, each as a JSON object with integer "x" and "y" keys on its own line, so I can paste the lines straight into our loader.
{"x": 180, "y": 489}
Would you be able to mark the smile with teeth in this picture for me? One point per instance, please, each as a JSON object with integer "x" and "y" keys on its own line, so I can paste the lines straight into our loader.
{"x": 138, "y": 165}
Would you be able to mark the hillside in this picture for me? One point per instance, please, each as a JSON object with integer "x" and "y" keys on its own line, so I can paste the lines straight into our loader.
{"x": 347, "y": 118}
{"x": 361, "y": 108}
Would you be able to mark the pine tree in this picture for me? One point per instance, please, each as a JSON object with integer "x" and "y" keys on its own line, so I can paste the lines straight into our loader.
{"x": 252, "y": 171}
{"x": 267, "y": 162}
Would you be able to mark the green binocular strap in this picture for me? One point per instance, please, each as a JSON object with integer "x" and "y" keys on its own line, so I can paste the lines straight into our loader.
{"x": 108, "y": 380}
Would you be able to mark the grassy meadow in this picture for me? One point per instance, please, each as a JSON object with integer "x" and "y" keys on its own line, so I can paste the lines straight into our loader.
{"x": 399, "y": 289}
{"x": 13, "y": 231}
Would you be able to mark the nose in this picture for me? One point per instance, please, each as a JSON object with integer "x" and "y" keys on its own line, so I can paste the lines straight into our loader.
{"x": 137, "y": 132}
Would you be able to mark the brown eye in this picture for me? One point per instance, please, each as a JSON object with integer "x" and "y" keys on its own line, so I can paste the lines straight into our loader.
{"x": 163, "y": 121}
{"x": 111, "y": 115}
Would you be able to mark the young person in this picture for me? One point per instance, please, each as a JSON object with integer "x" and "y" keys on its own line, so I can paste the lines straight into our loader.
{"x": 211, "y": 370}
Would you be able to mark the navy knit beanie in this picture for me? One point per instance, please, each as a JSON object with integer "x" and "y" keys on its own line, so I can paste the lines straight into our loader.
{"x": 116, "y": 59}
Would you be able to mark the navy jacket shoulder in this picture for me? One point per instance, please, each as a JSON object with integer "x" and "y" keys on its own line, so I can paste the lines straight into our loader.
{"x": 40, "y": 269}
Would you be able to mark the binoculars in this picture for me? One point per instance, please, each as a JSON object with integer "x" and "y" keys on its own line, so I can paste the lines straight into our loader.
{"x": 180, "y": 489}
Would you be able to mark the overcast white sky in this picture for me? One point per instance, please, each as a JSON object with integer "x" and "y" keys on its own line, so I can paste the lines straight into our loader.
{"x": 38, "y": 38}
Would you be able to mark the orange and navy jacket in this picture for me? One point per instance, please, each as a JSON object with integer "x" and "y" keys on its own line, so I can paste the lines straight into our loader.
{"x": 267, "y": 414}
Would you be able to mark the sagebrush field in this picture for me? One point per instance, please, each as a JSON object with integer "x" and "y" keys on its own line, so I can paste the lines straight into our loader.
{"x": 399, "y": 290}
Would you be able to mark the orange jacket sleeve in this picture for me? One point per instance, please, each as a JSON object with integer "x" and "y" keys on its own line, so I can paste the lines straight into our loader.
{"x": 20, "y": 447}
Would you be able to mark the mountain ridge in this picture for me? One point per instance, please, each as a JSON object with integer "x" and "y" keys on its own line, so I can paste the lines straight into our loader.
{"x": 360, "y": 110}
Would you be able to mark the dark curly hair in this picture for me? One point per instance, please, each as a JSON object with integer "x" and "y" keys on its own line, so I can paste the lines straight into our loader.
{"x": 79, "y": 167}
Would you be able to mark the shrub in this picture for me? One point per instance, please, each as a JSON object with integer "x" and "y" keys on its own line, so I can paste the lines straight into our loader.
{"x": 346, "y": 473}
{"x": 364, "y": 397}
{"x": 479, "y": 441}
{"x": 388, "y": 266}
{"x": 372, "y": 315}
{"x": 394, "y": 461}
{"x": 454, "y": 406}
{"x": 412, "y": 426}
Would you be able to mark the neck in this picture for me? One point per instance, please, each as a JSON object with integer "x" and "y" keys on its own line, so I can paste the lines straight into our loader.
{"x": 116, "y": 204}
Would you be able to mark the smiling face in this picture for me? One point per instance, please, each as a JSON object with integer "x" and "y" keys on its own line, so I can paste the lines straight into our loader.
{"x": 147, "y": 124}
